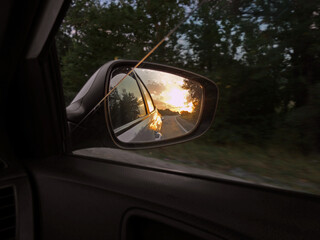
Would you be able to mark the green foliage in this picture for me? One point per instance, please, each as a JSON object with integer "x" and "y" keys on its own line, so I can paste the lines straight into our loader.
{"x": 94, "y": 32}
{"x": 167, "y": 112}
{"x": 263, "y": 55}
{"x": 265, "y": 165}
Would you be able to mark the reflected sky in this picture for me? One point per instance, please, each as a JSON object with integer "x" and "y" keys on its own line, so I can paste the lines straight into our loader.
{"x": 166, "y": 90}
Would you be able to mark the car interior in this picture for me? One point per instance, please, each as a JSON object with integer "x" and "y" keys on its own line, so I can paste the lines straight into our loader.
{"x": 46, "y": 192}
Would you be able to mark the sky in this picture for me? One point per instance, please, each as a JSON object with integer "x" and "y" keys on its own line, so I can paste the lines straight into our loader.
{"x": 166, "y": 90}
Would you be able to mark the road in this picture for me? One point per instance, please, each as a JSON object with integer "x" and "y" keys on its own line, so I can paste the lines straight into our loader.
{"x": 172, "y": 126}
{"x": 186, "y": 125}
{"x": 175, "y": 126}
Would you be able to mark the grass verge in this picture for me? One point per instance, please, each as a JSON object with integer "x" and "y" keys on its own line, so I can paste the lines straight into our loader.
{"x": 269, "y": 165}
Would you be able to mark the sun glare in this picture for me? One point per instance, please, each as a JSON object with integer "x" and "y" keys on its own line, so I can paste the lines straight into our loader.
{"x": 176, "y": 99}
{"x": 167, "y": 91}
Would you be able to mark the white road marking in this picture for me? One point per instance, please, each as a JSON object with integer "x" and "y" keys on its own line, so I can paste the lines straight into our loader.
{"x": 181, "y": 125}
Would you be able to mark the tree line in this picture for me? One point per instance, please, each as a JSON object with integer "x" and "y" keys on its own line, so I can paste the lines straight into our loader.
{"x": 263, "y": 55}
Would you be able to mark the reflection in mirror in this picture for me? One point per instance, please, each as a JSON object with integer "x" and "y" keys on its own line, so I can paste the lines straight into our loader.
{"x": 150, "y": 105}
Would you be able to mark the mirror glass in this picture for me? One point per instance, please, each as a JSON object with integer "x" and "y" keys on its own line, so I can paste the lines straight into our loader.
{"x": 150, "y": 105}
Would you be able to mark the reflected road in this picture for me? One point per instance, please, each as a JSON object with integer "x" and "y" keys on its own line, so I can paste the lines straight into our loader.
{"x": 172, "y": 126}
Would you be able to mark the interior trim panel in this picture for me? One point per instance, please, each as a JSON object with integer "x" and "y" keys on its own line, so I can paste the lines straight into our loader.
{"x": 16, "y": 206}
{"x": 89, "y": 199}
{"x": 140, "y": 224}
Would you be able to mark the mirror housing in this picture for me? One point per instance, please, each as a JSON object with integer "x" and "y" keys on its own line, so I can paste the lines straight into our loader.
{"x": 91, "y": 127}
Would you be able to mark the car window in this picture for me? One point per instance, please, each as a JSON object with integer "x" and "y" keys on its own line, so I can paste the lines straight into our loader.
{"x": 126, "y": 102}
{"x": 263, "y": 55}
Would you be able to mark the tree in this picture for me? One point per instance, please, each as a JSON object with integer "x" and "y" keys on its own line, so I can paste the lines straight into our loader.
{"x": 95, "y": 32}
{"x": 263, "y": 55}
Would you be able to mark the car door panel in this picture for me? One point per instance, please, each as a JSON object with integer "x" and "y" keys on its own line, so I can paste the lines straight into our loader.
{"x": 89, "y": 198}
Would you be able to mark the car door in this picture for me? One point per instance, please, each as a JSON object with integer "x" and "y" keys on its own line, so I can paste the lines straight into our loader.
{"x": 81, "y": 197}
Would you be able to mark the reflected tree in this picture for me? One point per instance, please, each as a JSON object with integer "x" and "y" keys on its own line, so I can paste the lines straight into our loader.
{"x": 129, "y": 107}
{"x": 263, "y": 55}
{"x": 114, "y": 108}
{"x": 123, "y": 107}
{"x": 195, "y": 96}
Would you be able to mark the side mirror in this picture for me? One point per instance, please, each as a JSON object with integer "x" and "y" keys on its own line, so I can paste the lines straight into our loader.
{"x": 155, "y": 105}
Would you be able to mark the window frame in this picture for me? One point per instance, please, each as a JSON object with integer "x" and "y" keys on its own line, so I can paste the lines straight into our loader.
{"x": 143, "y": 86}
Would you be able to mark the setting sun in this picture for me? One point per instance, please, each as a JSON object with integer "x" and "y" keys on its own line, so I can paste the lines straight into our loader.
{"x": 167, "y": 90}
{"x": 176, "y": 99}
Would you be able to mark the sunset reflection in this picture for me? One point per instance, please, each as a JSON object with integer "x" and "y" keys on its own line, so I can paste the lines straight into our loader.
{"x": 151, "y": 105}
{"x": 176, "y": 99}
{"x": 167, "y": 91}
{"x": 156, "y": 122}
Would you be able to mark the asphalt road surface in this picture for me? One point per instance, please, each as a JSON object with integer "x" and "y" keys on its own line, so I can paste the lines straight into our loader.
{"x": 175, "y": 126}
{"x": 186, "y": 125}
{"x": 171, "y": 128}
